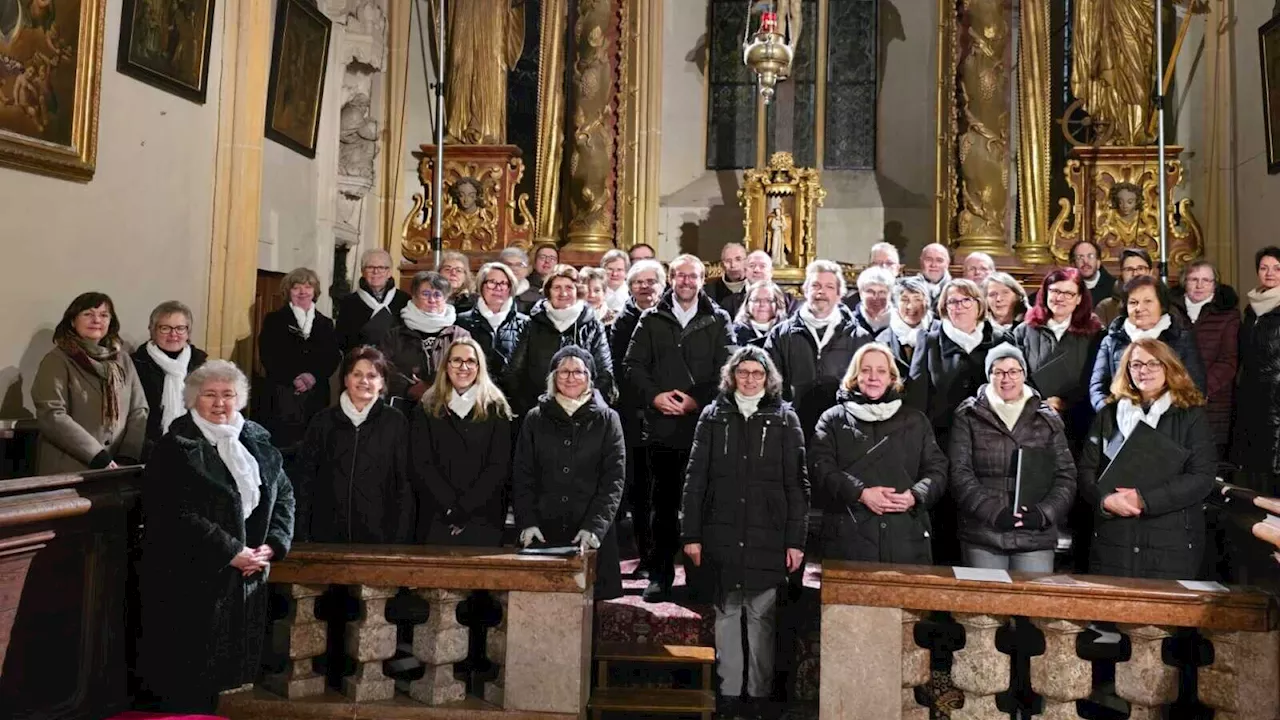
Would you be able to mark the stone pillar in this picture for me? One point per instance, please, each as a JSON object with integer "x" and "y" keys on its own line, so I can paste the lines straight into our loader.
{"x": 1144, "y": 679}
{"x": 548, "y": 660}
{"x": 861, "y": 675}
{"x": 439, "y": 643}
{"x": 592, "y": 181}
{"x": 1241, "y": 683}
{"x": 301, "y": 638}
{"x": 1059, "y": 675}
{"x": 495, "y": 646}
{"x": 983, "y": 143}
{"x": 915, "y": 668}
{"x": 979, "y": 669}
{"x": 370, "y": 641}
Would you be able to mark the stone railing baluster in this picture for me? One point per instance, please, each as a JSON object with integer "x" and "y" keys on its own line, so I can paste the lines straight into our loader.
{"x": 1144, "y": 680}
{"x": 979, "y": 669}
{"x": 301, "y": 638}
{"x": 915, "y": 668}
{"x": 1060, "y": 676}
{"x": 439, "y": 643}
{"x": 495, "y": 645}
{"x": 1241, "y": 682}
{"x": 369, "y": 641}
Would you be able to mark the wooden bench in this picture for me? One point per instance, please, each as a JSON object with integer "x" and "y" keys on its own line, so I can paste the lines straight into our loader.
{"x": 653, "y": 700}
{"x": 656, "y": 702}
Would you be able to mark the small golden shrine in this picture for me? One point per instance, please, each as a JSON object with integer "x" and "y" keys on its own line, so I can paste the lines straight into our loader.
{"x": 780, "y": 214}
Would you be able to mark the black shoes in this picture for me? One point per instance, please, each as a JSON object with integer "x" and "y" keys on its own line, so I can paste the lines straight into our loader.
{"x": 657, "y": 591}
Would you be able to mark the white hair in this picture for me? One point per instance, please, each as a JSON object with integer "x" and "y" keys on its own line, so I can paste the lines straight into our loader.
{"x": 936, "y": 246}
{"x": 514, "y": 252}
{"x": 824, "y": 266}
{"x": 887, "y": 248}
{"x": 875, "y": 275}
{"x": 500, "y": 267}
{"x": 615, "y": 254}
{"x": 982, "y": 257}
{"x": 215, "y": 371}
{"x": 647, "y": 265}
{"x": 371, "y": 253}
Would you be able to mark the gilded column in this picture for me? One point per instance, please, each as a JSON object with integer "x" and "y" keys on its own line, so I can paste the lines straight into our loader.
{"x": 550, "y": 119}
{"x": 640, "y": 121}
{"x": 591, "y": 181}
{"x": 983, "y": 144}
{"x": 1034, "y": 98}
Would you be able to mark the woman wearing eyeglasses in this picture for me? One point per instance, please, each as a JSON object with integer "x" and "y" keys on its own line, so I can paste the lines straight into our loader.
{"x": 461, "y": 452}
{"x": 163, "y": 363}
{"x": 495, "y": 322}
{"x": 569, "y": 468}
{"x": 764, "y": 307}
{"x": 456, "y": 268}
{"x": 416, "y": 348}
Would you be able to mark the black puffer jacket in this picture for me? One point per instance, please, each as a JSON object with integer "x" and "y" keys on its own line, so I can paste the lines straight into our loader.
{"x": 352, "y": 483}
{"x": 1167, "y": 540}
{"x": 460, "y": 467}
{"x": 1116, "y": 341}
{"x": 850, "y": 531}
{"x": 152, "y": 379}
{"x": 414, "y": 354}
{"x": 943, "y": 375}
{"x": 499, "y": 345}
{"x": 744, "y": 334}
{"x": 527, "y": 372}
{"x": 1257, "y": 421}
{"x": 746, "y": 497}
{"x": 1040, "y": 347}
{"x": 620, "y": 334}
{"x": 983, "y": 469}
{"x": 902, "y": 354}
{"x": 811, "y": 377}
{"x": 358, "y": 325}
{"x": 664, "y": 356}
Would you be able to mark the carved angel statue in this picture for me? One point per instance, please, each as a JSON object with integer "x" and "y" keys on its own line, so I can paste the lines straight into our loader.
{"x": 485, "y": 39}
{"x": 358, "y": 135}
{"x": 777, "y": 237}
{"x": 1112, "y": 65}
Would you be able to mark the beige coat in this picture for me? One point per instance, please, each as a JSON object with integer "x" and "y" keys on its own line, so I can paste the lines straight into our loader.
{"x": 69, "y": 401}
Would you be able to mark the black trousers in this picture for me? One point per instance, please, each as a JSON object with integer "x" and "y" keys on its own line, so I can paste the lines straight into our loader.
{"x": 638, "y": 499}
{"x": 666, "y": 467}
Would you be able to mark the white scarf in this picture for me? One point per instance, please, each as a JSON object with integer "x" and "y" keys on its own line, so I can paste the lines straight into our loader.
{"x": 816, "y": 325}
{"x": 906, "y": 334}
{"x": 175, "y": 373}
{"x": 997, "y": 325}
{"x": 878, "y": 322}
{"x": 374, "y": 305}
{"x": 936, "y": 287}
{"x": 425, "y": 322}
{"x": 563, "y": 319}
{"x": 1008, "y": 412}
{"x": 1264, "y": 301}
{"x": 762, "y": 328}
{"x": 522, "y": 287}
{"x": 1092, "y": 283}
{"x": 873, "y": 412}
{"x": 357, "y": 417}
{"x": 462, "y": 403}
{"x": 306, "y": 318}
{"x": 1129, "y": 413}
{"x": 1194, "y": 308}
{"x": 571, "y": 405}
{"x": 1154, "y": 333}
{"x": 616, "y": 300}
{"x": 734, "y": 286}
{"x": 748, "y": 405}
{"x": 967, "y": 341}
{"x": 239, "y": 461}
{"x": 494, "y": 318}
{"x": 1057, "y": 328}
{"x": 684, "y": 317}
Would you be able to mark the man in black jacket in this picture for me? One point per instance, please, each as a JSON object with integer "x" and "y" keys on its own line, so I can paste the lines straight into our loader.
{"x": 366, "y": 316}
{"x": 673, "y": 365}
{"x": 733, "y": 281}
{"x": 1086, "y": 258}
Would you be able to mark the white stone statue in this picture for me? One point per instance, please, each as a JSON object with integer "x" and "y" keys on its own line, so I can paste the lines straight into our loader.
{"x": 358, "y": 137}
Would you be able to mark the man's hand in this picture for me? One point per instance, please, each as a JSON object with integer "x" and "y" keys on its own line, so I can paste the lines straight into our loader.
{"x": 694, "y": 552}
{"x": 795, "y": 559}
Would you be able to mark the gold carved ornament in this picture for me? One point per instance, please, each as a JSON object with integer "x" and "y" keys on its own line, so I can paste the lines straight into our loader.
{"x": 790, "y": 196}
{"x": 983, "y": 147}
{"x": 483, "y": 221}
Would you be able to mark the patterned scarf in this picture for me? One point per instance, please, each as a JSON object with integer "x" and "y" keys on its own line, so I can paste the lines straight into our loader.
{"x": 102, "y": 362}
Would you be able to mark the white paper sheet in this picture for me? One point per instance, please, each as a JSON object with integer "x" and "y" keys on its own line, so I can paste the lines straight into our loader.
{"x": 1204, "y": 585}
{"x": 982, "y": 575}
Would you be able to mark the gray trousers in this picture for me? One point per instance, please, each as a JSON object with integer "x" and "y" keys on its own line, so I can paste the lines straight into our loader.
{"x": 977, "y": 556}
{"x": 759, "y": 608}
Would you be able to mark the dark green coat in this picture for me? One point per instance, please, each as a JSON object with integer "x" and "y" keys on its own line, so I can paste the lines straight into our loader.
{"x": 202, "y": 621}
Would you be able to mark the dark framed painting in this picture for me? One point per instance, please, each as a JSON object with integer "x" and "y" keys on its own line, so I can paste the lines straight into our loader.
{"x": 1269, "y": 52}
{"x": 165, "y": 43}
{"x": 299, "y": 57}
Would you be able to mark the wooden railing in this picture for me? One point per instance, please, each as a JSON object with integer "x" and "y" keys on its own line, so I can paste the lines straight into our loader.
{"x": 542, "y": 644}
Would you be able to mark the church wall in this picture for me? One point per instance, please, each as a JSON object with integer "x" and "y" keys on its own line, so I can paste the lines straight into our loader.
{"x": 1258, "y": 194}
{"x": 139, "y": 231}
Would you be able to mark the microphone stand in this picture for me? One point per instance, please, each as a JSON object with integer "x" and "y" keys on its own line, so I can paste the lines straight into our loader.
{"x": 437, "y": 183}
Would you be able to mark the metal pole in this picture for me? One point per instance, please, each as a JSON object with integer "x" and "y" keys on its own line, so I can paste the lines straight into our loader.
{"x": 1164, "y": 190}
{"x": 437, "y": 183}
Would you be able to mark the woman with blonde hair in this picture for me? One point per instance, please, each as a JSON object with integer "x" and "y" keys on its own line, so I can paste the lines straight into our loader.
{"x": 460, "y": 440}
{"x": 456, "y": 267}
{"x": 877, "y": 469}
{"x": 1157, "y": 531}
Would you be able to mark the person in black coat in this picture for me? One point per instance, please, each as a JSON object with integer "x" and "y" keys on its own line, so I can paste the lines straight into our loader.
{"x": 219, "y": 510}
{"x": 1086, "y": 259}
{"x": 495, "y": 322}
{"x": 729, "y": 289}
{"x": 351, "y": 476}
{"x": 1146, "y": 304}
{"x": 456, "y": 268}
{"x": 875, "y": 285}
{"x": 524, "y": 293}
{"x": 461, "y": 450}
{"x": 674, "y": 363}
{"x": 766, "y": 306}
{"x": 813, "y": 348}
{"x": 909, "y": 314}
{"x": 876, "y": 509}
{"x": 569, "y": 469}
{"x": 1158, "y": 531}
{"x": 416, "y": 347}
{"x": 163, "y": 364}
{"x": 746, "y": 510}
{"x": 1256, "y": 444}
{"x": 368, "y": 314}
{"x": 559, "y": 320}
{"x": 298, "y": 347}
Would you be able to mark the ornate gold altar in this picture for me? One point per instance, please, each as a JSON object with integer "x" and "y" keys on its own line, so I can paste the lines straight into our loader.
{"x": 780, "y": 214}
{"x": 482, "y": 211}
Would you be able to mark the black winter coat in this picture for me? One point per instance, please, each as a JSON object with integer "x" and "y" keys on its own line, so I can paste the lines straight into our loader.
{"x": 1217, "y": 333}
{"x": 152, "y": 379}
{"x": 983, "y": 454}
{"x": 1257, "y": 421}
{"x": 285, "y": 355}
{"x": 1040, "y": 347}
{"x": 850, "y": 531}
{"x": 664, "y": 356}
{"x": 414, "y": 354}
{"x": 527, "y": 372}
{"x": 1115, "y": 341}
{"x": 902, "y": 354}
{"x": 202, "y": 621}
{"x": 620, "y": 334}
{"x": 746, "y": 497}
{"x": 568, "y": 474}
{"x": 943, "y": 375}
{"x": 1105, "y": 287}
{"x": 357, "y": 325}
{"x": 1167, "y": 540}
{"x": 721, "y": 295}
{"x": 499, "y": 345}
{"x": 461, "y": 467}
{"x": 810, "y": 378}
{"x": 352, "y": 483}
{"x": 744, "y": 334}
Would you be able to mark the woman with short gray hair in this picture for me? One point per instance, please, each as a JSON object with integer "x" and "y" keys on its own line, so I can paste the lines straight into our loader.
{"x": 909, "y": 313}
{"x": 163, "y": 363}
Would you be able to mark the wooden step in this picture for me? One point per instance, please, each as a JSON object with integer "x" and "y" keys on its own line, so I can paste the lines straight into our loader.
{"x": 668, "y": 702}
{"x": 655, "y": 654}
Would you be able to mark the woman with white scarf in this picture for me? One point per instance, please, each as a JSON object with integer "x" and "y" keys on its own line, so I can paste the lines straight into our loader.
{"x": 1006, "y": 301}
{"x": 163, "y": 364}
{"x": 877, "y": 470}
{"x": 219, "y": 511}
{"x": 592, "y": 287}
{"x": 873, "y": 311}
{"x": 764, "y": 307}
{"x": 1158, "y": 532}
{"x": 416, "y": 348}
{"x": 908, "y": 314}
{"x": 1257, "y": 419}
{"x": 496, "y": 321}
{"x": 373, "y": 309}
{"x": 613, "y": 272}
{"x": 298, "y": 347}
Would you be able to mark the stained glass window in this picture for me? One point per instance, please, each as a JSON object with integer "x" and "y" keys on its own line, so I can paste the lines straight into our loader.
{"x": 731, "y": 109}
{"x": 850, "y": 136}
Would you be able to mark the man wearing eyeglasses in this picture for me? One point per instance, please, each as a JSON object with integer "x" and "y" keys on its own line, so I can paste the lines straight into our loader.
{"x": 673, "y": 365}
{"x": 373, "y": 310}
{"x": 1086, "y": 258}
{"x": 163, "y": 364}
{"x": 733, "y": 280}
{"x": 884, "y": 256}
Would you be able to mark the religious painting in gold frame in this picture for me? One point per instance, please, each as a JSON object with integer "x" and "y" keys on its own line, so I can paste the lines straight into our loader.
{"x": 165, "y": 43}
{"x": 299, "y": 56}
{"x": 1269, "y": 53}
{"x": 50, "y": 83}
